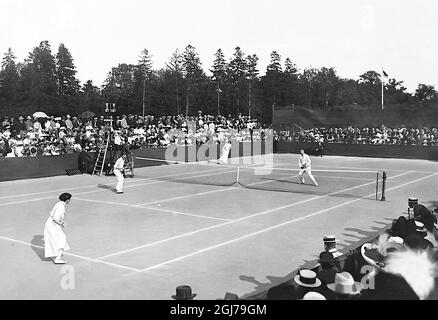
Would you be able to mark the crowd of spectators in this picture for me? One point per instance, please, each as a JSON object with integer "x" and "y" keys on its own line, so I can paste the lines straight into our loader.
{"x": 32, "y": 136}
{"x": 424, "y": 136}
{"x": 400, "y": 264}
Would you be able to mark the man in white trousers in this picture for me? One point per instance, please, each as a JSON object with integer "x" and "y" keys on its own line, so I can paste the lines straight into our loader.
{"x": 119, "y": 167}
{"x": 305, "y": 166}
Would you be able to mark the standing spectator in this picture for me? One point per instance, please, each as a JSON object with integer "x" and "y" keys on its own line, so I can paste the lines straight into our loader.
{"x": 68, "y": 123}
{"x": 124, "y": 122}
{"x": 37, "y": 127}
{"x": 28, "y": 123}
{"x": 20, "y": 126}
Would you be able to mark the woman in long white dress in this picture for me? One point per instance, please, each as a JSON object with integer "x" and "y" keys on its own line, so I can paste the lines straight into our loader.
{"x": 55, "y": 240}
{"x": 225, "y": 152}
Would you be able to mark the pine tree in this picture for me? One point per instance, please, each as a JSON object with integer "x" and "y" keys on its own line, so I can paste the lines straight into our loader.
{"x": 237, "y": 74}
{"x": 119, "y": 87}
{"x": 193, "y": 74}
{"x": 145, "y": 64}
{"x": 290, "y": 82}
{"x": 8, "y": 79}
{"x": 68, "y": 85}
{"x": 252, "y": 75}
{"x": 91, "y": 99}
{"x": 219, "y": 71}
{"x": 275, "y": 64}
{"x": 143, "y": 75}
{"x": 38, "y": 85}
{"x": 175, "y": 67}
{"x": 272, "y": 86}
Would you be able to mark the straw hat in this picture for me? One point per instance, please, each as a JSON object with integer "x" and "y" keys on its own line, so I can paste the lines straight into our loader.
{"x": 307, "y": 278}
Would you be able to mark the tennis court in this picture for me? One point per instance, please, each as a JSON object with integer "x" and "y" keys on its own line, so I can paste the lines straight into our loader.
{"x": 216, "y": 228}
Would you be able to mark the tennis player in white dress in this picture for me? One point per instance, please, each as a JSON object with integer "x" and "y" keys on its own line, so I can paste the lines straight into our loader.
{"x": 55, "y": 240}
{"x": 305, "y": 166}
{"x": 225, "y": 152}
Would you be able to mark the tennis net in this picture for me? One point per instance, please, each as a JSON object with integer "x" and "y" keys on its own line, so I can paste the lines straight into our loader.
{"x": 342, "y": 183}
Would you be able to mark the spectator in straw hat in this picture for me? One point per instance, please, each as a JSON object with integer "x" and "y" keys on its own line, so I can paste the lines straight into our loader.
{"x": 328, "y": 269}
{"x": 184, "y": 293}
{"x": 306, "y": 281}
{"x": 417, "y": 241}
{"x": 330, "y": 245}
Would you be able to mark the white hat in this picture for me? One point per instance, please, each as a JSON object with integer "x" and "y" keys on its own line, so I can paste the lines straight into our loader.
{"x": 312, "y": 295}
{"x": 345, "y": 284}
{"x": 396, "y": 240}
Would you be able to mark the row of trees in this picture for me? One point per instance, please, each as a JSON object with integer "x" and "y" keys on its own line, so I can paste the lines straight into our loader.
{"x": 47, "y": 81}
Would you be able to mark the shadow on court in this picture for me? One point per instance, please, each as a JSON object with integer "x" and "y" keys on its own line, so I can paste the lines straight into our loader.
{"x": 104, "y": 186}
{"x": 278, "y": 284}
{"x": 38, "y": 247}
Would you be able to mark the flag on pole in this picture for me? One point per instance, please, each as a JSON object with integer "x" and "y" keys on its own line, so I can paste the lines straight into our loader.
{"x": 385, "y": 74}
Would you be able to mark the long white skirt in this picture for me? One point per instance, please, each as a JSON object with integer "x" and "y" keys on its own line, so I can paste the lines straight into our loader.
{"x": 54, "y": 239}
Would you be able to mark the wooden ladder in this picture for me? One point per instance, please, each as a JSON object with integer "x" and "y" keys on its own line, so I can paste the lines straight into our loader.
{"x": 99, "y": 165}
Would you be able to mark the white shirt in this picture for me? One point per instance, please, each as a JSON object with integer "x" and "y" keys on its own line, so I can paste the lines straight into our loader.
{"x": 120, "y": 164}
{"x": 58, "y": 211}
{"x": 304, "y": 161}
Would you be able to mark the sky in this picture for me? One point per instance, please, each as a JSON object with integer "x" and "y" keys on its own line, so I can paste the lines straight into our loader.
{"x": 351, "y": 36}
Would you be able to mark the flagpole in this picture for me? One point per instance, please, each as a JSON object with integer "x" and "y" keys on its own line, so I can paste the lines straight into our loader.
{"x": 382, "y": 96}
{"x": 383, "y": 75}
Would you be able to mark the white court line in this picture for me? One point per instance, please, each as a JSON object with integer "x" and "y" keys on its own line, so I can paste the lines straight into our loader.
{"x": 334, "y": 177}
{"x": 239, "y": 220}
{"x": 271, "y": 228}
{"x": 73, "y": 255}
{"x": 151, "y": 208}
{"x": 151, "y": 181}
{"x": 377, "y": 169}
{"x": 345, "y": 178}
{"x": 249, "y": 185}
{"x": 185, "y": 214}
{"x": 94, "y": 186}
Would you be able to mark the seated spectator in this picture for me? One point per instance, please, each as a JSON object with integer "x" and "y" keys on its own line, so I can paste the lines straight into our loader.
{"x": 307, "y": 281}
{"x": 312, "y": 295}
{"x": 330, "y": 245}
{"x": 328, "y": 269}
{"x": 407, "y": 275}
{"x": 344, "y": 287}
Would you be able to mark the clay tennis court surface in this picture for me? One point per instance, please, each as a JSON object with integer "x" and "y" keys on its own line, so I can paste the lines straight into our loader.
{"x": 162, "y": 233}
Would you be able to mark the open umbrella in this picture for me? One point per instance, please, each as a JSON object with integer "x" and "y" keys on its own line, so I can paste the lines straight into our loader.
{"x": 40, "y": 114}
{"x": 87, "y": 115}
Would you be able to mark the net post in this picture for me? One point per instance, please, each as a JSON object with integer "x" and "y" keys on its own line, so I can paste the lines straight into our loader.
{"x": 377, "y": 186}
{"x": 238, "y": 175}
{"x": 383, "y": 198}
